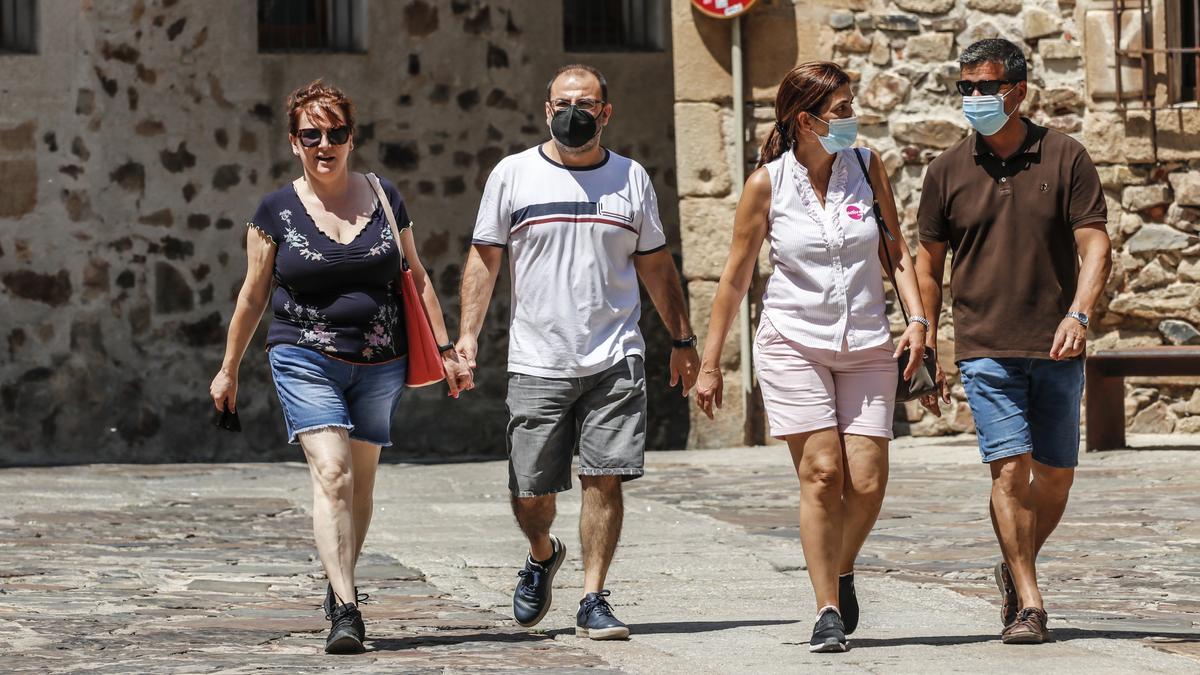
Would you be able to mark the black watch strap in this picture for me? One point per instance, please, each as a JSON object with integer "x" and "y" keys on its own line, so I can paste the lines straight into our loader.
{"x": 689, "y": 341}
{"x": 442, "y": 349}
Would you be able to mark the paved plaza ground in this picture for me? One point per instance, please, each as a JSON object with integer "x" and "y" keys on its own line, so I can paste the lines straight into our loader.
{"x": 210, "y": 568}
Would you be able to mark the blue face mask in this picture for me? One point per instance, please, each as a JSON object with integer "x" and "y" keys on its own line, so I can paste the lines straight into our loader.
{"x": 986, "y": 113}
{"x": 842, "y": 134}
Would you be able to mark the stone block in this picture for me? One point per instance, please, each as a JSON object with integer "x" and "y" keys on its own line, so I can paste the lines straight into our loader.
{"x": 1059, "y": 50}
{"x": 1100, "y": 76}
{"x": 51, "y": 289}
{"x": 1187, "y": 187}
{"x": 1177, "y": 134}
{"x": 881, "y": 50}
{"x": 1038, "y": 23}
{"x": 978, "y": 31}
{"x": 1157, "y": 418}
{"x": 996, "y": 6}
{"x": 18, "y": 139}
{"x": 1115, "y": 177}
{"x": 932, "y": 132}
{"x": 705, "y": 230}
{"x": 1188, "y": 425}
{"x": 700, "y": 302}
{"x": 841, "y": 19}
{"x": 1177, "y": 301}
{"x": 1189, "y": 270}
{"x": 1155, "y": 238}
{"x": 901, "y": 23}
{"x": 852, "y": 42}
{"x": 929, "y": 47}
{"x": 1113, "y": 138}
{"x": 1179, "y": 332}
{"x": 885, "y": 91}
{"x": 1123, "y": 338}
{"x": 1151, "y": 276}
{"x": 18, "y": 187}
{"x": 700, "y": 50}
{"x": 926, "y": 6}
{"x": 1142, "y": 197}
{"x": 701, "y": 162}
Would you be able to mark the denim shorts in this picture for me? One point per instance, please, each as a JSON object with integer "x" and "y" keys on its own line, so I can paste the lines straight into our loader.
{"x": 317, "y": 391}
{"x": 1025, "y": 405}
{"x": 603, "y": 415}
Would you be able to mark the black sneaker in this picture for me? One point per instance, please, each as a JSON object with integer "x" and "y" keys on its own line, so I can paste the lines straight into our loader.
{"x": 848, "y": 602}
{"x": 1008, "y": 593}
{"x": 343, "y": 634}
{"x": 829, "y": 635}
{"x": 595, "y": 619}
{"x": 331, "y": 602}
{"x": 532, "y": 598}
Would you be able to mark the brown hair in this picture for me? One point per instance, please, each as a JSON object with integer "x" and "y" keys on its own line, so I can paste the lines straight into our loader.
{"x": 804, "y": 89}
{"x": 323, "y": 103}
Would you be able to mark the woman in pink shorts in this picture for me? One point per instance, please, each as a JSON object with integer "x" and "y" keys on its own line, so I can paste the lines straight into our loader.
{"x": 823, "y": 353}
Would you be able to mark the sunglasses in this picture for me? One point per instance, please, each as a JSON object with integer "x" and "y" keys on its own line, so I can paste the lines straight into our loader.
{"x": 311, "y": 138}
{"x": 985, "y": 87}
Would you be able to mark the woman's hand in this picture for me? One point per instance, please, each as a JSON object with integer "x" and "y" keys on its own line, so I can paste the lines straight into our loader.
{"x": 458, "y": 375}
{"x": 223, "y": 390}
{"x": 710, "y": 387}
{"x": 913, "y": 340}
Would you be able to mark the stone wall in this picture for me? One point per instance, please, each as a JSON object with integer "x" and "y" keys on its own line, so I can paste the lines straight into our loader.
{"x": 902, "y": 58}
{"x": 135, "y": 146}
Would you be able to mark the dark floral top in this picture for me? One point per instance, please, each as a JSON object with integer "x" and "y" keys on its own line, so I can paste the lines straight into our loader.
{"x": 334, "y": 298}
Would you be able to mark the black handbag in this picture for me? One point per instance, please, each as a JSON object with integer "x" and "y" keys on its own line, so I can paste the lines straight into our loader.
{"x": 923, "y": 380}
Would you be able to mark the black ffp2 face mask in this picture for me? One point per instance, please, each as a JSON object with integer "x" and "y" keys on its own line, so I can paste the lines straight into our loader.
{"x": 573, "y": 126}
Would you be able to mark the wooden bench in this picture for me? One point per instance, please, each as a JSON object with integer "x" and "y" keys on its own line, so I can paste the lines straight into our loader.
{"x": 1106, "y": 373}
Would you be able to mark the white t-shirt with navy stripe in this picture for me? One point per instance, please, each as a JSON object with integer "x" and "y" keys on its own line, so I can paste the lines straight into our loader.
{"x": 571, "y": 234}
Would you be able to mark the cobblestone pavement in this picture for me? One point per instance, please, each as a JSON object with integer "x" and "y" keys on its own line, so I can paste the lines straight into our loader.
{"x": 210, "y": 568}
{"x": 118, "y": 569}
{"x": 1125, "y": 561}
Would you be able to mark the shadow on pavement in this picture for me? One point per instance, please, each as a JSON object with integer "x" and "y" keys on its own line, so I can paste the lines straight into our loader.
{"x": 668, "y": 627}
{"x": 1060, "y": 635}
{"x": 394, "y": 645}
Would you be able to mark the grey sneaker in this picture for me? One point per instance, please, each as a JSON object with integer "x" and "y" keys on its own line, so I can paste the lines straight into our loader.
{"x": 829, "y": 635}
{"x": 595, "y": 619}
{"x": 531, "y": 599}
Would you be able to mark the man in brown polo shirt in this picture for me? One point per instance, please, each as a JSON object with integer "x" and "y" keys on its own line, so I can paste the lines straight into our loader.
{"x": 1023, "y": 210}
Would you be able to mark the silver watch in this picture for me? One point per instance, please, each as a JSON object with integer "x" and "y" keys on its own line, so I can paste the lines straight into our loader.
{"x": 1080, "y": 317}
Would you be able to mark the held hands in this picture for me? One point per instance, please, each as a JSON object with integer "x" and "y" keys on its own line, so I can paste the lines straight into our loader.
{"x": 459, "y": 377}
{"x": 1069, "y": 340}
{"x": 710, "y": 388}
{"x": 223, "y": 390}
{"x": 685, "y": 366}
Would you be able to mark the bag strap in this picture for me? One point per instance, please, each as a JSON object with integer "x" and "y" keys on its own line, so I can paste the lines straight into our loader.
{"x": 391, "y": 216}
{"x": 887, "y": 235}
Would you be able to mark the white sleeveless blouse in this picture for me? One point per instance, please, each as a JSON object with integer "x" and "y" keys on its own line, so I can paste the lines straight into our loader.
{"x": 826, "y": 291}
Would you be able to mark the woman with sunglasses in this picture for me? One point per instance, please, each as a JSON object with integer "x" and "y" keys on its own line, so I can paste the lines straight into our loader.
{"x": 336, "y": 344}
{"x": 823, "y": 353}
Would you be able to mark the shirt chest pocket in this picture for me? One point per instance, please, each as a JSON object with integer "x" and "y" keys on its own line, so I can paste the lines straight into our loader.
{"x": 616, "y": 210}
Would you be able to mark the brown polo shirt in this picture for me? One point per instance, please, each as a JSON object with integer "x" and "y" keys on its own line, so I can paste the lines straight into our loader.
{"x": 1010, "y": 223}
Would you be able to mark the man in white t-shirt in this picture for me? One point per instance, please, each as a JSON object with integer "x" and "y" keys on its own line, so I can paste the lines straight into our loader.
{"x": 581, "y": 227}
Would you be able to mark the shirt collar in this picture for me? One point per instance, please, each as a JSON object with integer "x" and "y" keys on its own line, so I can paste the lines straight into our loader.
{"x": 1032, "y": 145}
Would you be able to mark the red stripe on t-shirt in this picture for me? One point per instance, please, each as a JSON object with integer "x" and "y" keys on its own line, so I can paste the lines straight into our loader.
{"x": 572, "y": 220}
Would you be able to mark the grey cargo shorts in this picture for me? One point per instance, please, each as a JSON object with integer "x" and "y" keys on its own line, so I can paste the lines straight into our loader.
{"x": 603, "y": 415}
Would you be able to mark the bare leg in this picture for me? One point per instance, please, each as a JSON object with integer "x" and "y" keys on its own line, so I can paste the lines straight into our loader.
{"x": 365, "y": 458}
{"x": 1051, "y": 487}
{"x": 1015, "y": 522}
{"x": 600, "y": 520}
{"x": 817, "y": 457}
{"x": 535, "y": 515}
{"x": 331, "y": 468}
{"x": 866, "y": 467}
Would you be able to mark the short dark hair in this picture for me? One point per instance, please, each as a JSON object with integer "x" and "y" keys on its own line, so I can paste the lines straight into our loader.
{"x": 575, "y": 67}
{"x": 997, "y": 50}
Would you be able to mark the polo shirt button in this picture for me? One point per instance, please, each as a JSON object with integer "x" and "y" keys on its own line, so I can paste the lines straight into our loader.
{"x": 1004, "y": 180}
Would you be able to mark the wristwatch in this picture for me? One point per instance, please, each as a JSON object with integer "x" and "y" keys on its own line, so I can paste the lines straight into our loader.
{"x": 689, "y": 341}
{"x": 442, "y": 349}
{"x": 1080, "y": 317}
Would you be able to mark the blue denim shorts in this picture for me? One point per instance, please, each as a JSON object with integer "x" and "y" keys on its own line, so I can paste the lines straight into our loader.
{"x": 317, "y": 392}
{"x": 1025, "y": 405}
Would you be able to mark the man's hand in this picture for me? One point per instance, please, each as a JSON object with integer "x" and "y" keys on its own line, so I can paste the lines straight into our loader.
{"x": 467, "y": 348}
{"x": 1069, "y": 340}
{"x": 942, "y": 391}
{"x": 685, "y": 366}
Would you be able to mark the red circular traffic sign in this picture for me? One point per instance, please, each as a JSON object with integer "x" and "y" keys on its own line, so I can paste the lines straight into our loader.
{"x": 723, "y": 9}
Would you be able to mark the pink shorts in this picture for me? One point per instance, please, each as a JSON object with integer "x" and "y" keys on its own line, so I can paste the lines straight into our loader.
{"x": 806, "y": 389}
